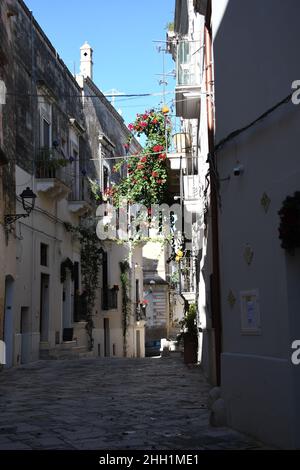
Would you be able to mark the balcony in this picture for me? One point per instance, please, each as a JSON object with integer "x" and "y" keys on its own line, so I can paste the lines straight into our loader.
{"x": 188, "y": 75}
{"x": 188, "y": 279}
{"x": 181, "y": 147}
{"x": 77, "y": 199}
{"x": 52, "y": 173}
{"x": 192, "y": 193}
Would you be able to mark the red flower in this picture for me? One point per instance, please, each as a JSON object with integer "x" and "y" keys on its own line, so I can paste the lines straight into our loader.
{"x": 145, "y": 116}
{"x": 158, "y": 148}
{"x": 155, "y": 121}
{"x": 155, "y": 174}
{"x": 162, "y": 156}
{"x": 140, "y": 167}
{"x": 145, "y": 178}
{"x": 130, "y": 127}
{"x": 143, "y": 160}
{"x": 143, "y": 124}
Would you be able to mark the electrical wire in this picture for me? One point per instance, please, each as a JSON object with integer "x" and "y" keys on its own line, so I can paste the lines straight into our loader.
{"x": 44, "y": 95}
{"x": 33, "y": 229}
{"x": 237, "y": 132}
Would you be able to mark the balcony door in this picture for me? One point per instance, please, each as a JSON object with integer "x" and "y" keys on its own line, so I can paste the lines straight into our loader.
{"x": 8, "y": 321}
{"x": 106, "y": 338}
{"x": 67, "y": 301}
{"x": 44, "y": 308}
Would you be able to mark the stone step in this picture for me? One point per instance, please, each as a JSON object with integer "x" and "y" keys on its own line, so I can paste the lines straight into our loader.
{"x": 75, "y": 352}
{"x": 66, "y": 345}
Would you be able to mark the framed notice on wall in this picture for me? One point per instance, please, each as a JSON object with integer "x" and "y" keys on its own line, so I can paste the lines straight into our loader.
{"x": 250, "y": 313}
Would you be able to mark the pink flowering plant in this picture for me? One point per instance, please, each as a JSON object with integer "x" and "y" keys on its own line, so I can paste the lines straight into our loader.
{"x": 146, "y": 179}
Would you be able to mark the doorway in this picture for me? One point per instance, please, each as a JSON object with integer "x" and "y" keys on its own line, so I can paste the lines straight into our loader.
{"x": 138, "y": 343}
{"x": 106, "y": 338}
{"x": 25, "y": 335}
{"x": 8, "y": 321}
{"x": 67, "y": 302}
{"x": 44, "y": 307}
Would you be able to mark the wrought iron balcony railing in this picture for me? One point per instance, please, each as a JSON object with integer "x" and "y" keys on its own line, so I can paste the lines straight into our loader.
{"x": 51, "y": 164}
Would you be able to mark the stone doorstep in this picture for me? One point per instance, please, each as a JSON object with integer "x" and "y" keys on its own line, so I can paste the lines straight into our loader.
{"x": 67, "y": 350}
{"x": 66, "y": 345}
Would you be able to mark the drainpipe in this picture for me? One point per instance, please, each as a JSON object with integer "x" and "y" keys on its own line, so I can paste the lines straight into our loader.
{"x": 216, "y": 284}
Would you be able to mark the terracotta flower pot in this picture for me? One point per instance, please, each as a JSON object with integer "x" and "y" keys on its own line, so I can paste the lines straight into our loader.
{"x": 190, "y": 343}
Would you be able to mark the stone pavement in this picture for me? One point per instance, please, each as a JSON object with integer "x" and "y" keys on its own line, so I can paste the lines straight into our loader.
{"x": 110, "y": 403}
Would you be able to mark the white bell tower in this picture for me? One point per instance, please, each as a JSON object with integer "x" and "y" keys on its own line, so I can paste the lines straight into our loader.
{"x": 86, "y": 60}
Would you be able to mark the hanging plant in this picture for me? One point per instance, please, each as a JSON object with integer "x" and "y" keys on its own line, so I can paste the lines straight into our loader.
{"x": 91, "y": 260}
{"x": 146, "y": 180}
{"x": 289, "y": 227}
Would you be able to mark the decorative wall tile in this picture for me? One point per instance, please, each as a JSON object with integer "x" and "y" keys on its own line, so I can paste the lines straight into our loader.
{"x": 231, "y": 299}
{"x": 265, "y": 202}
{"x": 248, "y": 255}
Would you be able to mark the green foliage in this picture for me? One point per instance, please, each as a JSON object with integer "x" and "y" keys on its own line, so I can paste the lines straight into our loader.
{"x": 91, "y": 259}
{"x": 174, "y": 278}
{"x": 170, "y": 26}
{"x": 49, "y": 158}
{"x": 189, "y": 323}
{"x": 146, "y": 180}
{"x": 124, "y": 278}
{"x": 95, "y": 191}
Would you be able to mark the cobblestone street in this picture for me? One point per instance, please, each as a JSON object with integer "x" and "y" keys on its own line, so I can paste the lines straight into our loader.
{"x": 152, "y": 403}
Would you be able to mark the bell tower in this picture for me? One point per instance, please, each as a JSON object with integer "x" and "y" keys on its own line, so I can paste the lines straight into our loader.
{"x": 86, "y": 60}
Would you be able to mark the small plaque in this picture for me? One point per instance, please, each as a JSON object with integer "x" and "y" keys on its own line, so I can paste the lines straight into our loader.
{"x": 250, "y": 313}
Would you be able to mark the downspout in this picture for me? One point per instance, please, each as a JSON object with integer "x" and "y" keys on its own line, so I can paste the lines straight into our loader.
{"x": 216, "y": 284}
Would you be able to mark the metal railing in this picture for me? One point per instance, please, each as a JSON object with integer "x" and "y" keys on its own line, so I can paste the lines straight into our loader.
{"x": 51, "y": 164}
{"x": 188, "y": 275}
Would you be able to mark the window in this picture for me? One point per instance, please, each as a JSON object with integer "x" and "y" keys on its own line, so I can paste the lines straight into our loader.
{"x": 44, "y": 254}
{"x": 104, "y": 282}
{"x": 137, "y": 291}
{"x": 74, "y": 157}
{"x": 46, "y": 133}
{"x": 45, "y": 110}
{"x": 112, "y": 299}
{"x": 105, "y": 178}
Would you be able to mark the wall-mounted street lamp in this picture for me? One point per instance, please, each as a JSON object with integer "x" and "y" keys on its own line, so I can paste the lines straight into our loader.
{"x": 28, "y": 201}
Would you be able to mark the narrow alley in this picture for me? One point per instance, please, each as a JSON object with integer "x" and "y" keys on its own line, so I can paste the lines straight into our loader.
{"x": 105, "y": 403}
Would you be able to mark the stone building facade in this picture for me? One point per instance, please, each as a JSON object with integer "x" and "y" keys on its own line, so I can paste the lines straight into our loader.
{"x": 59, "y": 143}
{"x": 7, "y": 165}
{"x": 247, "y": 131}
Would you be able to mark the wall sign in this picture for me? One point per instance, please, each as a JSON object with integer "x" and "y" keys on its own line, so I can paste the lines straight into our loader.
{"x": 250, "y": 312}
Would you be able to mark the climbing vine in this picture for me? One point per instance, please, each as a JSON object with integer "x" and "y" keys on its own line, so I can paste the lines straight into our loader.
{"x": 289, "y": 228}
{"x": 91, "y": 259}
{"x": 146, "y": 180}
{"x": 124, "y": 278}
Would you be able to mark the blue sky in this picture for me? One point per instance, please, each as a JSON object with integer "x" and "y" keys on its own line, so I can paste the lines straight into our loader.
{"x": 121, "y": 34}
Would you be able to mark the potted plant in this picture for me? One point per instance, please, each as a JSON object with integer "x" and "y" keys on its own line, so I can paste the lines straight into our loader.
{"x": 189, "y": 335}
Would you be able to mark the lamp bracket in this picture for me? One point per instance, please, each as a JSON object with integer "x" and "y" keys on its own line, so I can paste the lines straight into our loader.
{"x": 11, "y": 218}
